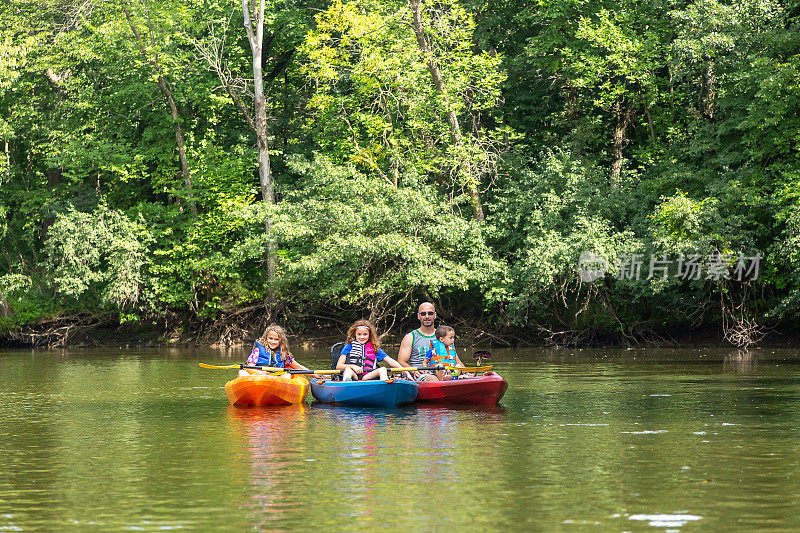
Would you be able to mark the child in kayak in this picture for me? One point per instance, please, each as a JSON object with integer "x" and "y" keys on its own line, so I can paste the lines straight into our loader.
{"x": 442, "y": 353}
{"x": 271, "y": 349}
{"x": 360, "y": 356}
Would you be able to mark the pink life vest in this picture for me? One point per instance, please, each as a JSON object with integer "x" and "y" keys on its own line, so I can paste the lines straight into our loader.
{"x": 362, "y": 355}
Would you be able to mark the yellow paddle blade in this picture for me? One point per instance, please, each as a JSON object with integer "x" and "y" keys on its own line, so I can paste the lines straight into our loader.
{"x": 470, "y": 368}
{"x": 267, "y": 368}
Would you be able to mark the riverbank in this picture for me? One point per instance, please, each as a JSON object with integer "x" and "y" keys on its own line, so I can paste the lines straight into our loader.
{"x": 77, "y": 333}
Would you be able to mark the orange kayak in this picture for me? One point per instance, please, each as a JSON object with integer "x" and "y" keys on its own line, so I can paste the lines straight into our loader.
{"x": 265, "y": 389}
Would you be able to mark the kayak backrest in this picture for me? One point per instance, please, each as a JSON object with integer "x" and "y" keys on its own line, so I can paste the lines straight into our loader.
{"x": 336, "y": 351}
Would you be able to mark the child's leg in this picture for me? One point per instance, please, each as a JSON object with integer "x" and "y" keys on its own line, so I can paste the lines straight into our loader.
{"x": 251, "y": 372}
{"x": 349, "y": 375}
{"x": 372, "y": 374}
{"x": 378, "y": 373}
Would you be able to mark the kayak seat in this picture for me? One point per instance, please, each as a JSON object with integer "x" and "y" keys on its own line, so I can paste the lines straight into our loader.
{"x": 336, "y": 351}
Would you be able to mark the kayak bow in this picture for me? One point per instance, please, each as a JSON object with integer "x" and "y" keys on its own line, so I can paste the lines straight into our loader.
{"x": 370, "y": 393}
{"x": 487, "y": 389}
{"x": 265, "y": 389}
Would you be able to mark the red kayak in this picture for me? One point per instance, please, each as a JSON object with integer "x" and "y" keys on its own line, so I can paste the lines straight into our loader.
{"x": 480, "y": 390}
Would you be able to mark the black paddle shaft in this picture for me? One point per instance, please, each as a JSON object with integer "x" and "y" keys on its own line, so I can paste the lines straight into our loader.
{"x": 268, "y": 369}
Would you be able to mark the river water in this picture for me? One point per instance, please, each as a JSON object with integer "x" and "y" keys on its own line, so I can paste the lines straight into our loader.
{"x": 144, "y": 440}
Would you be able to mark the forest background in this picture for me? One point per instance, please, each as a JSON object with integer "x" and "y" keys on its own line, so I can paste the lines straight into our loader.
{"x": 171, "y": 167}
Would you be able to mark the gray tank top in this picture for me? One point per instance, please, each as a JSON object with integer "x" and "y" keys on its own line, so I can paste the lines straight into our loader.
{"x": 419, "y": 347}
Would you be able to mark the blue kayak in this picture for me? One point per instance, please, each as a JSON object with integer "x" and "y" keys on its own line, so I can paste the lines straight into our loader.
{"x": 372, "y": 393}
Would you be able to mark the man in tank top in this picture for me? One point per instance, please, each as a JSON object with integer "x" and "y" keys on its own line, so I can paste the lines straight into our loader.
{"x": 415, "y": 344}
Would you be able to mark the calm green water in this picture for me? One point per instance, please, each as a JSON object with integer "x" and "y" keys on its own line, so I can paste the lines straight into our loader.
{"x": 603, "y": 440}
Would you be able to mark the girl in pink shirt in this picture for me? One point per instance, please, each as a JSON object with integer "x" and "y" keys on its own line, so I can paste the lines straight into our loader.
{"x": 360, "y": 357}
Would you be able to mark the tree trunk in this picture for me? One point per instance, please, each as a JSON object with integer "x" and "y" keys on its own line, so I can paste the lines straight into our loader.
{"x": 5, "y": 309}
{"x": 452, "y": 119}
{"x": 650, "y": 125}
{"x": 173, "y": 109}
{"x": 256, "y": 39}
{"x": 708, "y": 93}
{"x": 54, "y": 177}
{"x": 7, "y": 153}
{"x": 55, "y": 174}
{"x": 619, "y": 139}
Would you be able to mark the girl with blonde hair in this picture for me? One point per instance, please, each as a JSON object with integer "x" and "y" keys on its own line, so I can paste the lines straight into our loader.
{"x": 272, "y": 349}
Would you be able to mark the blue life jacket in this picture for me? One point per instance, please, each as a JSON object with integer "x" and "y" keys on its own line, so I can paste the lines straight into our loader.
{"x": 439, "y": 354}
{"x": 267, "y": 357}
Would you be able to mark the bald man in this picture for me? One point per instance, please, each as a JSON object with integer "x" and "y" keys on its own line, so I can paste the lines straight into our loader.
{"x": 415, "y": 344}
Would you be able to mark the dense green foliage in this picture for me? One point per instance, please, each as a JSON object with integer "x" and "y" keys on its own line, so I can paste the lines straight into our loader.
{"x": 621, "y": 128}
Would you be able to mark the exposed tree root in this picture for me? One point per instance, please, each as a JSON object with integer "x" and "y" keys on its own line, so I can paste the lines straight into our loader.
{"x": 58, "y": 332}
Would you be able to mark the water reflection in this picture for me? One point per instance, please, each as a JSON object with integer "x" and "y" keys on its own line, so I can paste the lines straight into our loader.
{"x": 358, "y": 416}
{"x": 482, "y": 413}
{"x": 272, "y": 423}
{"x": 740, "y": 361}
{"x": 270, "y": 438}
{"x": 360, "y": 454}
{"x": 437, "y": 427}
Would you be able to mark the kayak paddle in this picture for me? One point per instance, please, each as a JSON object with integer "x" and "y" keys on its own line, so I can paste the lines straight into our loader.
{"x": 204, "y": 365}
{"x": 272, "y": 369}
{"x": 480, "y": 355}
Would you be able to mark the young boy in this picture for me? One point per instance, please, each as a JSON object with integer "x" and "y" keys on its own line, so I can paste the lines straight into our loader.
{"x": 442, "y": 353}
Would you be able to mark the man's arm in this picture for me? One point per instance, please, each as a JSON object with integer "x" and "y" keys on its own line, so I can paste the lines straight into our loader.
{"x": 404, "y": 355}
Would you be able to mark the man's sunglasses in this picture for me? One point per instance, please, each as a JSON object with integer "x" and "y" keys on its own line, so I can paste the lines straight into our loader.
{"x": 427, "y": 313}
